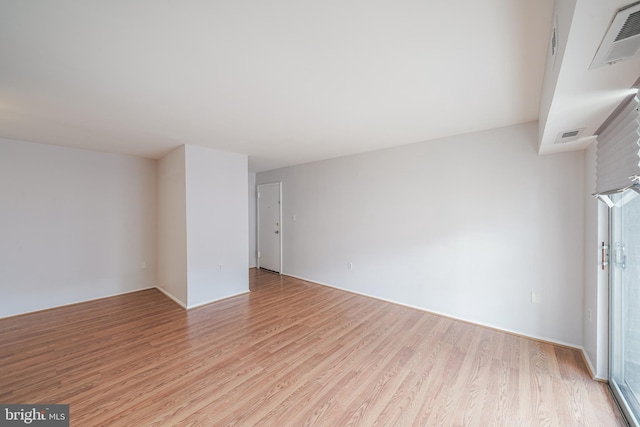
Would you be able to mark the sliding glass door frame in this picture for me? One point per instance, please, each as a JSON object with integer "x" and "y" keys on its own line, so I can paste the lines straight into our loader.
{"x": 618, "y": 384}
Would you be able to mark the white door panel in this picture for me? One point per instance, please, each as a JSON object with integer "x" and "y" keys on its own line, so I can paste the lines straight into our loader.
{"x": 269, "y": 227}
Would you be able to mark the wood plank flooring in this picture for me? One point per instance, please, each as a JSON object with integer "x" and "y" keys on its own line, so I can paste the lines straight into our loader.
{"x": 290, "y": 353}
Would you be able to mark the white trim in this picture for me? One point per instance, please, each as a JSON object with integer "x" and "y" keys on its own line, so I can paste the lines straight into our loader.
{"x": 281, "y": 225}
{"x": 462, "y": 319}
{"x": 189, "y": 307}
{"x": 167, "y": 294}
{"x": 217, "y": 300}
{"x": 173, "y": 298}
{"x": 257, "y": 226}
{"x": 79, "y": 302}
{"x": 279, "y": 183}
{"x": 592, "y": 371}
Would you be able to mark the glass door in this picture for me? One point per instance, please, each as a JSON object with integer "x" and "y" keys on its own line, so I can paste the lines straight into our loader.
{"x": 624, "y": 261}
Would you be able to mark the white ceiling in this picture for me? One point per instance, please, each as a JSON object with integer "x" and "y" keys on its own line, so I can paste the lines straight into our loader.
{"x": 288, "y": 81}
{"x": 576, "y": 96}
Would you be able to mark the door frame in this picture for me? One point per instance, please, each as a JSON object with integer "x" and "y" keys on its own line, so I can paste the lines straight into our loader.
{"x": 624, "y": 405}
{"x": 279, "y": 183}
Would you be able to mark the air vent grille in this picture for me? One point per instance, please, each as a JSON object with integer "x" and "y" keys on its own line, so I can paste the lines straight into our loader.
{"x": 622, "y": 40}
{"x": 568, "y": 136}
{"x": 630, "y": 28}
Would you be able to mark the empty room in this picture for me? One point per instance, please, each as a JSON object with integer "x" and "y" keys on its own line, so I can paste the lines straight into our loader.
{"x": 331, "y": 213}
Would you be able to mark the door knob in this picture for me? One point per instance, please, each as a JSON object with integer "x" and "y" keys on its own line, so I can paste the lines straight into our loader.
{"x": 277, "y": 231}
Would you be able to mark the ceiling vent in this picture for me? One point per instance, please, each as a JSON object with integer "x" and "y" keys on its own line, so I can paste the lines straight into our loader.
{"x": 568, "y": 136}
{"x": 622, "y": 40}
{"x": 554, "y": 41}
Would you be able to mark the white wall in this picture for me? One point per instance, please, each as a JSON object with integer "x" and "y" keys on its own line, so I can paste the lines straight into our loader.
{"x": 467, "y": 226}
{"x": 252, "y": 221}
{"x": 563, "y": 11}
{"x": 75, "y": 225}
{"x": 596, "y": 298}
{"x": 217, "y": 224}
{"x": 172, "y": 226}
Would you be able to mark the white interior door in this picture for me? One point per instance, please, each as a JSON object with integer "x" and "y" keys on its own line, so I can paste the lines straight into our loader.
{"x": 269, "y": 227}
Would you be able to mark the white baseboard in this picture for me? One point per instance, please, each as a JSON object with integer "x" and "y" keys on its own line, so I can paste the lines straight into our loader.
{"x": 592, "y": 371}
{"x": 189, "y": 307}
{"x": 83, "y": 300}
{"x": 217, "y": 300}
{"x": 173, "y": 298}
{"x": 462, "y": 319}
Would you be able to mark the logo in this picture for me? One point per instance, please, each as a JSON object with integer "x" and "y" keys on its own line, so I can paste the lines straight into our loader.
{"x": 34, "y": 415}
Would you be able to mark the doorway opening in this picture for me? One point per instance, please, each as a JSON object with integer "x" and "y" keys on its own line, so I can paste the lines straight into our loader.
{"x": 270, "y": 226}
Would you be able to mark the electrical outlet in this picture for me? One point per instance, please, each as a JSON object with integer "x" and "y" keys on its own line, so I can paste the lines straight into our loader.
{"x": 350, "y": 266}
{"x": 536, "y": 298}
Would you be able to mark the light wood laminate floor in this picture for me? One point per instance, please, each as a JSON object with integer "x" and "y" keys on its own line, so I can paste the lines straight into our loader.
{"x": 290, "y": 353}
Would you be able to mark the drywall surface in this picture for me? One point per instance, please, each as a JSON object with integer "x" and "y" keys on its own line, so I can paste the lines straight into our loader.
{"x": 75, "y": 225}
{"x": 252, "y": 221}
{"x": 596, "y": 296}
{"x": 172, "y": 225}
{"x": 217, "y": 224}
{"x": 468, "y": 226}
{"x": 563, "y": 11}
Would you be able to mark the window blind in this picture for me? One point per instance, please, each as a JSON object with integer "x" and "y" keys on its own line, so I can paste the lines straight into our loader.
{"x": 618, "y": 149}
